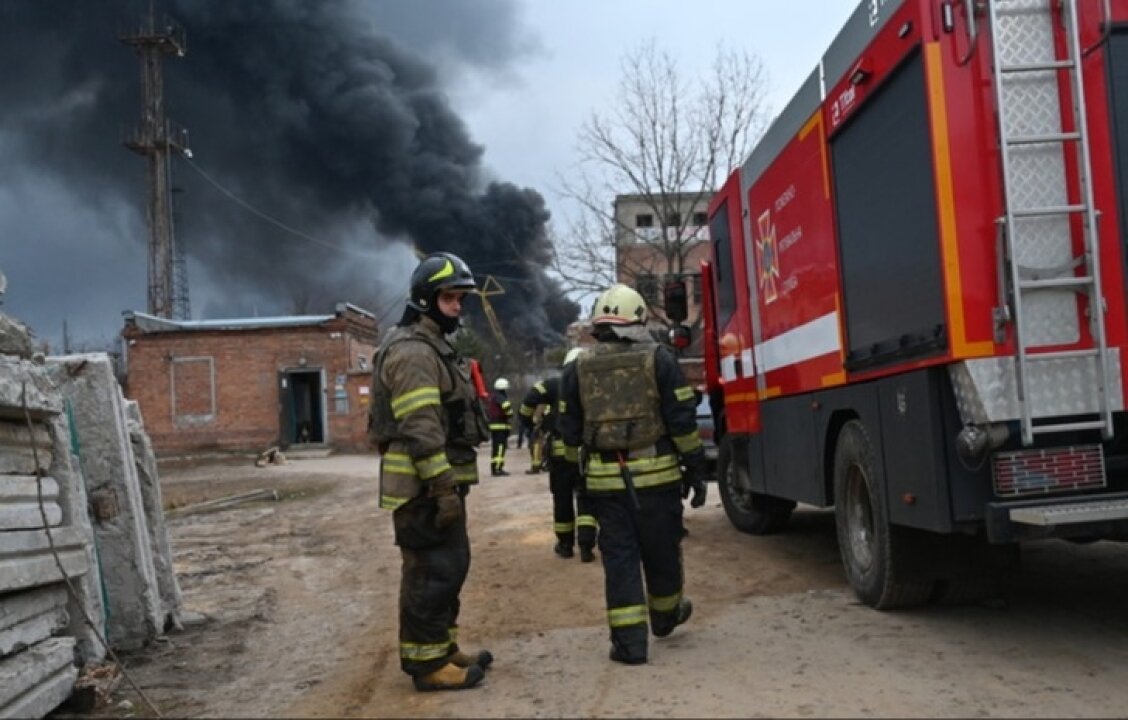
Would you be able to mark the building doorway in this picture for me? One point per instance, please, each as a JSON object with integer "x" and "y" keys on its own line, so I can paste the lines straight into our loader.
{"x": 303, "y": 419}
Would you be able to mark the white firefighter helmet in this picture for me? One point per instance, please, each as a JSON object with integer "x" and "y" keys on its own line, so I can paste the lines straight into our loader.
{"x": 572, "y": 355}
{"x": 619, "y": 305}
{"x": 501, "y": 384}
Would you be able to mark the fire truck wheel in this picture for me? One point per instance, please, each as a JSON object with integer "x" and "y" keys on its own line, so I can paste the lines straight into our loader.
{"x": 748, "y": 511}
{"x": 879, "y": 558}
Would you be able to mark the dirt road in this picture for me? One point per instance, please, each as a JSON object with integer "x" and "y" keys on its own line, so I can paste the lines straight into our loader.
{"x": 298, "y": 599}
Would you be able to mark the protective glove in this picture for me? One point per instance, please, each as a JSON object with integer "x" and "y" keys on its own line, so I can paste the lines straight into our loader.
{"x": 447, "y": 500}
{"x": 450, "y": 510}
{"x": 693, "y": 479}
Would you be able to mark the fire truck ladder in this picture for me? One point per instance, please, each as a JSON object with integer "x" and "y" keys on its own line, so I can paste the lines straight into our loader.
{"x": 1035, "y": 131}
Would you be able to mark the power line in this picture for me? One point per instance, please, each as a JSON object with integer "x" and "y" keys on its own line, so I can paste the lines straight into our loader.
{"x": 294, "y": 231}
{"x": 269, "y": 218}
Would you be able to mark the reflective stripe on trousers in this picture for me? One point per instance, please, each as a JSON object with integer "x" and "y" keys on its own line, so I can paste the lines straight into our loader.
{"x": 637, "y": 544}
{"x": 435, "y": 565}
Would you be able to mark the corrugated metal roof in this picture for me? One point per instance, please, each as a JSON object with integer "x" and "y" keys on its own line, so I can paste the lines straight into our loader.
{"x": 152, "y": 323}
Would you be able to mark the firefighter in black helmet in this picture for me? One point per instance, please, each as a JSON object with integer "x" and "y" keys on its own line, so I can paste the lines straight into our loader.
{"x": 426, "y": 422}
{"x": 628, "y": 413}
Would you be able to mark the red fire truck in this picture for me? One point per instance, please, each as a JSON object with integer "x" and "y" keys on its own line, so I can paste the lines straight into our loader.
{"x": 915, "y": 301}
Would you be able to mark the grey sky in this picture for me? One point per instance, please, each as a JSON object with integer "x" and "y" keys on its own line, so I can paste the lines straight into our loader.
{"x": 521, "y": 75}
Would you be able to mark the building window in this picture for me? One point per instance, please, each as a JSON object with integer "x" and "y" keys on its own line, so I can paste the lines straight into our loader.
{"x": 644, "y": 220}
{"x": 673, "y": 220}
{"x": 648, "y": 288}
{"x": 192, "y": 384}
{"x": 341, "y": 394}
{"x": 700, "y": 219}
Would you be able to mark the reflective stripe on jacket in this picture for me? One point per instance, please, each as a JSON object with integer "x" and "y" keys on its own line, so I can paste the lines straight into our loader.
{"x": 655, "y": 466}
{"x": 423, "y": 390}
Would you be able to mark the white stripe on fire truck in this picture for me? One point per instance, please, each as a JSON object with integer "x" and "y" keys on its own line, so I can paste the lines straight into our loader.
{"x": 728, "y": 368}
{"x": 806, "y": 342}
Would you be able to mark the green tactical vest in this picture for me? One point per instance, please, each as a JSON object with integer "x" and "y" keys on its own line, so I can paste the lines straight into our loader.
{"x": 619, "y": 394}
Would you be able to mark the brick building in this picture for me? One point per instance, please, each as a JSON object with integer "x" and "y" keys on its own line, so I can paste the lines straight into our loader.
{"x": 659, "y": 238}
{"x": 249, "y": 384}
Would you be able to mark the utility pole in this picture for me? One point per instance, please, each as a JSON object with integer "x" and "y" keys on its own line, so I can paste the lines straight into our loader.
{"x": 156, "y": 138}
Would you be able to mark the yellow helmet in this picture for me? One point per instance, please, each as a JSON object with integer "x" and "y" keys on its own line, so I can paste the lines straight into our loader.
{"x": 619, "y": 305}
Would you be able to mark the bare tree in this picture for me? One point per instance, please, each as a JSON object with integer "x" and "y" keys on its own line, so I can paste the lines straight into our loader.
{"x": 667, "y": 143}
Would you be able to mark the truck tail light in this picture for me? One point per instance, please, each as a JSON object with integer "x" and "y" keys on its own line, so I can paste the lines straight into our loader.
{"x": 1049, "y": 470}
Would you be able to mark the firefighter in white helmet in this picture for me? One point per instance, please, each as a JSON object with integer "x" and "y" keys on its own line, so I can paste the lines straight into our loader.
{"x": 628, "y": 414}
{"x": 499, "y": 411}
{"x": 426, "y": 422}
{"x": 572, "y": 520}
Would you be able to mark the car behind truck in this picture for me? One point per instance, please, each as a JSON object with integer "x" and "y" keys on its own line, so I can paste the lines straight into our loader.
{"x": 914, "y": 306}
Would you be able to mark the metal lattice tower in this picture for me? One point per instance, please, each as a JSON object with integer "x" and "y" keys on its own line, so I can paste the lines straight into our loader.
{"x": 156, "y": 138}
{"x": 181, "y": 307}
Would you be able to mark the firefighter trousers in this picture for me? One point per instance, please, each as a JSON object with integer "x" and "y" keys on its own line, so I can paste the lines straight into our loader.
{"x": 435, "y": 565}
{"x": 572, "y": 517}
{"x": 638, "y": 544}
{"x": 499, "y": 438}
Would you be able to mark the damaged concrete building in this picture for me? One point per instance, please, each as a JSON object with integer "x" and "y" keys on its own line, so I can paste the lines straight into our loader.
{"x": 243, "y": 385}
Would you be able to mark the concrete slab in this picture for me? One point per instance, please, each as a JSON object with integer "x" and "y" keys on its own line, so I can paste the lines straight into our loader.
{"x": 16, "y": 375}
{"x": 120, "y": 522}
{"x": 20, "y": 450}
{"x": 32, "y": 616}
{"x": 89, "y": 602}
{"x": 34, "y": 682}
{"x": 20, "y": 502}
{"x": 149, "y": 480}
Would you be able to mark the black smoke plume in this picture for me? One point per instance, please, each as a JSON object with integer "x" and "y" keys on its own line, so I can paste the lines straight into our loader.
{"x": 315, "y": 112}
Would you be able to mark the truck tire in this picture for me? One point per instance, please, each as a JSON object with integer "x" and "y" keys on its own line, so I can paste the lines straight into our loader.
{"x": 879, "y": 558}
{"x": 750, "y": 512}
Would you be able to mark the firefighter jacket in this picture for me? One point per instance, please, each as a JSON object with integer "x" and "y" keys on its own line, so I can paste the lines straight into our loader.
{"x": 500, "y": 411}
{"x": 628, "y": 400}
{"x": 547, "y": 393}
{"x": 425, "y": 417}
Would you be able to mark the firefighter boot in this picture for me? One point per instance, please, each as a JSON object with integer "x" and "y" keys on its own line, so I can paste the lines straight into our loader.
{"x": 464, "y": 660}
{"x": 449, "y": 677}
{"x": 562, "y": 550}
{"x": 586, "y": 554}
{"x": 622, "y": 654}
{"x": 685, "y": 609}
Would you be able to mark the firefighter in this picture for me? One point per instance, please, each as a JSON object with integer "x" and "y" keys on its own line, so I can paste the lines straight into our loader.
{"x": 571, "y": 518}
{"x": 627, "y": 419}
{"x": 500, "y": 413}
{"x": 531, "y": 426}
{"x": 426, "y": 421}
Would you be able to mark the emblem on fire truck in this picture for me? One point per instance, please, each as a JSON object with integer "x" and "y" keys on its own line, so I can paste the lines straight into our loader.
{"x": 769, "y": 258}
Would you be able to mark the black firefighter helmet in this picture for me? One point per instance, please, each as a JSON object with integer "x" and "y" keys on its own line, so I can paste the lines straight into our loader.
{"x": 435, "y": 273}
